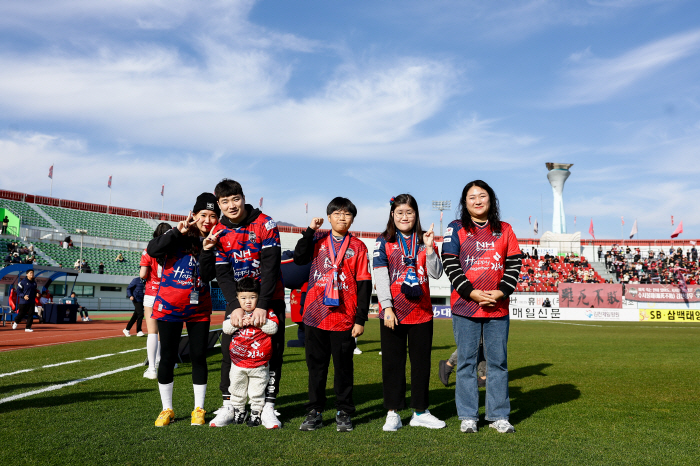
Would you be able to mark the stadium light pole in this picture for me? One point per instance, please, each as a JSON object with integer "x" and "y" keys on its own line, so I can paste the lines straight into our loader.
{"x": 442, "y": 205}
{"x": 82, "y": 233}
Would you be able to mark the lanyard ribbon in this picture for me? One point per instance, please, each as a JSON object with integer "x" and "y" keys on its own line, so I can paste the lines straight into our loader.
{"x": 331, "y": 296}
{"x": 410, "y": 286}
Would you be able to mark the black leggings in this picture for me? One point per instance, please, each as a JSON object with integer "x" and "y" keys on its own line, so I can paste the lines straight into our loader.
{"x": 170, "y": 333}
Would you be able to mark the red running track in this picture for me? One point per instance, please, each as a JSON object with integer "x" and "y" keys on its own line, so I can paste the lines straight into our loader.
{"x": 55, "y": 334}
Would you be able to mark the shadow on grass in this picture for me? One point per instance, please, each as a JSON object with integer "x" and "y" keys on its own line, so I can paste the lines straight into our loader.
{"x": 49, "y": 401}
{"x": 525, "y": 404}
{"x": 528, "y": 371}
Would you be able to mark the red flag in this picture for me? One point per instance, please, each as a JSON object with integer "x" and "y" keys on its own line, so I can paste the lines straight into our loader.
{"x": 623, "y": 220}
{"x": 51, "y": 172}
{"x": 306, "y": 205}
{"x": 678, "y": 230}
{"x": 162, "y": 190}
{"x": 529, "y": 220}
{"x": 441, "y": 215}
{"x": 261, "y": 202}
{"x": 109, "y": 183}
{"x": 590, "y": 230}
{"x": 671, "y": 220}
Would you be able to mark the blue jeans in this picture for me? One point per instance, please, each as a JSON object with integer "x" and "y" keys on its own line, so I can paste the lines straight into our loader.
{"x": 467, "y": 333}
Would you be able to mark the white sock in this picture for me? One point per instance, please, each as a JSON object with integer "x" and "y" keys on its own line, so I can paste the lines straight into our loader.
{"x": 269, "y": 405}
{"x": 200, "y": 392}
{"x": 158, "y": 353}
{"x": 166, "y": 395}
{"x": 151, "y": 349}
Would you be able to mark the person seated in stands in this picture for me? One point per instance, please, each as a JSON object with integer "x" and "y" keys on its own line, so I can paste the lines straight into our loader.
{"x": 8, "y": 258}
{"x": 15, "y": 258}
{"x": 101, "y": 268}
{"x": 567, "y": 259}
{"x": 119, "y": 258}
{"x": 76, "y": 266}
{"x": 546, "y": 303}
{"x": 87, "y": 268}
{"x": 67, "y": 242}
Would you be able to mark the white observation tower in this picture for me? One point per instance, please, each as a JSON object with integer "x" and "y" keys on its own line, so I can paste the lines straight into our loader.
{"x": 558, "y": 173}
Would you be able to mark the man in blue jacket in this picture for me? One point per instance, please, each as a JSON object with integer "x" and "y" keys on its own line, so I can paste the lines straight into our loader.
{"x": 135, "y": 292}
{"x": 26, "y": 290}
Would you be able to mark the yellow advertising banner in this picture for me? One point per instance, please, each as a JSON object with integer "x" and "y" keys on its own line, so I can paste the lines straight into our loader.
{"x": 669, "y": 315}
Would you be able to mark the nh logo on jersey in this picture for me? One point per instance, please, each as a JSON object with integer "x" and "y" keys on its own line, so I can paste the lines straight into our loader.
{"x": 241, "y": 255}
{"x": 485, "y": 245}
{"x": 247, "y": 332}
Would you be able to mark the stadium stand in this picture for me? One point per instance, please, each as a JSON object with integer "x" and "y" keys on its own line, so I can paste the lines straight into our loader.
{"x": 546, "y": 277}
{"x": 28, "y": 215}
{"x": 93, "y": 256}
{"x": 22, "y": 257}
{"x": 99, "y": 224}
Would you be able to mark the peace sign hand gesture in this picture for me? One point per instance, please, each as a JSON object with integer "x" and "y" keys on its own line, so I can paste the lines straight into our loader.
{"x": 185, "y": 225}
{"x": 211, "y": 240}
{"x": 428, "y": 238}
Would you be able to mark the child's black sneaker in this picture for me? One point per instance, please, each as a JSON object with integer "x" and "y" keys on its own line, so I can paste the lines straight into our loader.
{"x": 239, "y": 416}
{"x": 254, "y": 420}
{"x": 343, "y": 422}
{"x": 313, "y": 421}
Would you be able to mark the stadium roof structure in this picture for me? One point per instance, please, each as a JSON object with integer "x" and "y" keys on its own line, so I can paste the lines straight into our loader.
{"x": 45, "y": 271}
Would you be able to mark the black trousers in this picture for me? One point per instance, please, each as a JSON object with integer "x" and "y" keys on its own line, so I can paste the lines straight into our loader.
{"x": 419, "y": 338}
{"x": 170, "y": 333}
{"x": 320, "y": 346}
{"x": 277, "y": 340}
{"x": 25, "y": 310}
{"x": 137, "y": 316}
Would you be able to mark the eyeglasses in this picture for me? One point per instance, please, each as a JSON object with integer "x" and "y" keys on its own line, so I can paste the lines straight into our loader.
{"x": 409, "y": 214}
{"x": 341, "y": 215}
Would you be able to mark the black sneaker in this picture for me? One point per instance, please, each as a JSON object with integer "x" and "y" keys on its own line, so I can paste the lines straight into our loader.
{"x": 313, "y": 421}
{"x": 444, "y": 371}
{"x": 343, "y": 422}
{"x": 254, "y": 420}
{"x": 239, "y": 416}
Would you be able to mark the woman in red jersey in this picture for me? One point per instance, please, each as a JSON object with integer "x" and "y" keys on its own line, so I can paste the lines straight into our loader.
{"x": 151, "y": 270}
{"x": 183, "y": 298}
{"x": 404, "y": 257}
{"x": 482, "y": 260}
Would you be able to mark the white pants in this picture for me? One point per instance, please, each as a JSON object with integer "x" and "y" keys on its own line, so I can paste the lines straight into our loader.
{"x": 148, "y": 300}
{"x": 248, "y": 382}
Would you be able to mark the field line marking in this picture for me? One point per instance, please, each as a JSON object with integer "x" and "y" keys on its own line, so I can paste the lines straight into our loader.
{"x": 67, "y": 384}
{"x": 132, "y": 350}
{"x": 60, "y": 364}
{"x": 16, "y": 372}
{"x": 100, "y": 356}
{"x": 290, "y": 325}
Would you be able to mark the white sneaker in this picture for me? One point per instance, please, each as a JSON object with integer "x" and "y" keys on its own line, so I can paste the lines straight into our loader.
{"x": 468, "y": 426}
{"x": 503, "y": 426}
{"x": 224, "y": 416}
{"x": 28, "y": 329}
{"x": 269, "y": 417}
{"x": 14, "y": 325}
{"x": 393, "y": 422}
{"x": 139, "y": 334}
{"x": 151, "y": 373}
{"x": 357, "y": 351}
{"x": 426, "y": 420}
{"x": 126, "y": 333}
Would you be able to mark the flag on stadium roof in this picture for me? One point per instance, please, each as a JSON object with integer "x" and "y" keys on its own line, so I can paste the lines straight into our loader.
{"x": 634, "y": 229}
{"x": 671, "y": 220}
{"x": 529, "y": 219}
{"x": 261, "y": 202}
{"x": 536, "y": 226}
{"x": 590, "y": 230}
{"x": 109, "y": 183}
{"x": 162, "y": 190}
{"x": 678, "y": 230}
{"x": 623, "y": 220}
{"x": 306, "y": 205}
{"x": 51, "y": 172}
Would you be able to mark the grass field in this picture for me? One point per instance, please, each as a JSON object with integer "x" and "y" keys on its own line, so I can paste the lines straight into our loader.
{"x": 599, "y": 393}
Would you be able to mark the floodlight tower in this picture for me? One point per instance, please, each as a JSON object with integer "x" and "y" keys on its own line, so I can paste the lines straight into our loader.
{"x": 442, "y": 205}
{"x": 558, "y": 173}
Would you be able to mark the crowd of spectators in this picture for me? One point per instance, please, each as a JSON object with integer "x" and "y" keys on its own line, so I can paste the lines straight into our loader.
{"x": 19, "y": 254}
{"x": 649, "y": 267}
{"x": 545, "y": 273}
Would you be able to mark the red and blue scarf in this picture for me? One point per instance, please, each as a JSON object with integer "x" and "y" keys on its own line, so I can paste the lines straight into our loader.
{"x": 331, "y": 295}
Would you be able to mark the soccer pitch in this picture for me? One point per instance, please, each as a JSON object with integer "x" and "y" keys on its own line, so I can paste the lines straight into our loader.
{"x": 581, "y": 393}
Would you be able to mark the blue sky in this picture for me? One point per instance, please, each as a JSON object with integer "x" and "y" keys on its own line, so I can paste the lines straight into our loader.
{"x": 306, "y": 100}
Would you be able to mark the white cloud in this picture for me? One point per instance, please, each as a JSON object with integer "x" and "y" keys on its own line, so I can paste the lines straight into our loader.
{"x": 591, "y": 80}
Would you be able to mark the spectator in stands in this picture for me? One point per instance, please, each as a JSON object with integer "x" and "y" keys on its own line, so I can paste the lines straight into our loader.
{"x": 694, "y": 254}
{"x": 86, "y": 267}
{"x": 8, "y": 258}
{"x": 5, "y": 223}
{"x": 135, "y": 292}
{"x": 26, "y": 291}
{"x": 101, "y": 268}
{"x": 67, "y": 242}
{"x": 600, "y": 253}
{"x": 77, "y": 264}
{"x": 83, "y": 310}
{"x": 15, "y": 258}
{"x": 119, "y": 258}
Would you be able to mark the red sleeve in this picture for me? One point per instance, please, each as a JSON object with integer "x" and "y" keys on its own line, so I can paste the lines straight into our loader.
{"x": 145, "y": 259}
{"x": 362, "y": 270}
{"x": 513, "y": 247}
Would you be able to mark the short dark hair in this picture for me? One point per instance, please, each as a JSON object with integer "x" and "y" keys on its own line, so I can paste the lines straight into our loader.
{"x": 228, "y": 187}
{"x": 493, "y": 216}
{"x": 161, "y": 229}
{"x": 248, "y": 285}
{"x": 341, "y": 203}
{"x": 402, "y": 199}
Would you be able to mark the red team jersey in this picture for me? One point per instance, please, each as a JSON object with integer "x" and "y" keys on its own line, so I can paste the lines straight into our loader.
{"x": 250, "y": 346}
{"x": 408, "y": 311}
{"x": 354, "y": 268}
{"x": 482, "y": 256}
{"x": 176, "y": 285}
{"x": 153, "y": 282}
{"x": 242, "y": 246}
